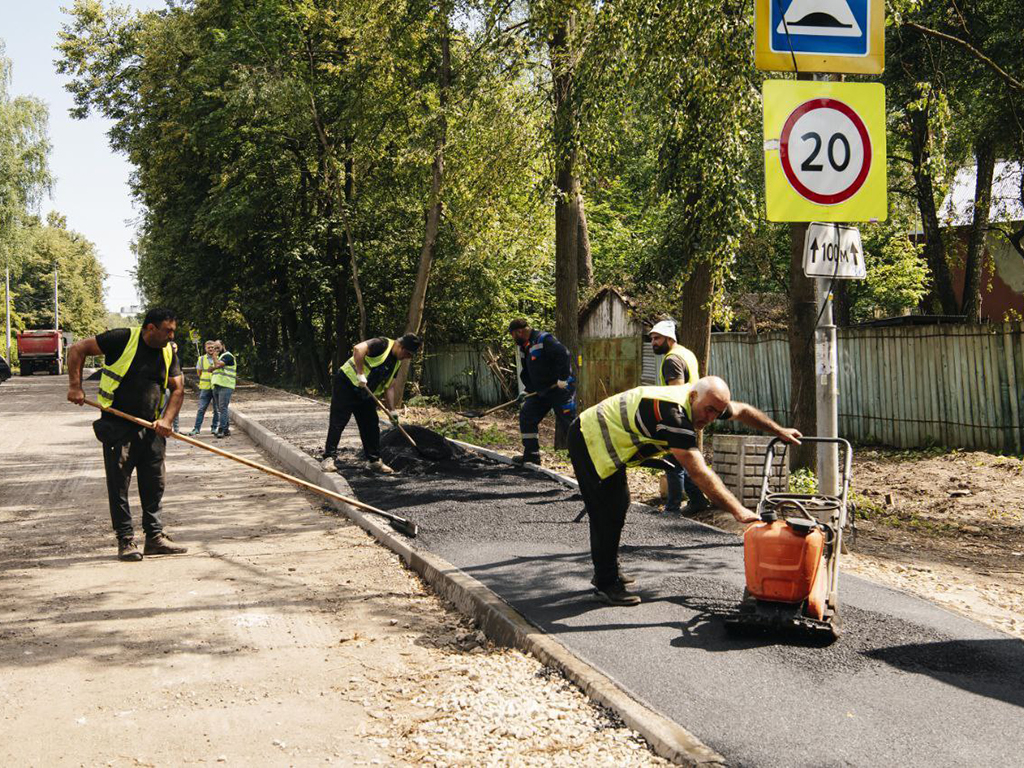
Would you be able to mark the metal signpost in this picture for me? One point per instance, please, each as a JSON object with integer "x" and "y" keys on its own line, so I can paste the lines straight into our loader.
{"x": 825, "y": 157}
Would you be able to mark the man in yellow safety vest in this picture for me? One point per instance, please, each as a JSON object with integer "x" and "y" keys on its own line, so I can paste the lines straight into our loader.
{"x": 204, "y": 369}
{"x": 678, "y": 366}
{"x": 139, "y": 366}
{"x": 371, "y": 368}
{"x": 225, "y": 371}
{"x": 638, "y": 427}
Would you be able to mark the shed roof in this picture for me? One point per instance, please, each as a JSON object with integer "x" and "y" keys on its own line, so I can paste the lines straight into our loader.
{"x": 958, "y": 208}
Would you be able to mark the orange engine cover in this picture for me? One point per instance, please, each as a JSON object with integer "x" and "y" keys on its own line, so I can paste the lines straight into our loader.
{"x": 780, "y": 563}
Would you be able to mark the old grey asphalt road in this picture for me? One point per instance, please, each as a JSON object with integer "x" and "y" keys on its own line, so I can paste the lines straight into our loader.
{"x": 909, "y": 683}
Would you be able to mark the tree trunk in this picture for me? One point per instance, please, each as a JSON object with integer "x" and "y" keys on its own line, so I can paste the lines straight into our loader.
{"x": 934, "y": 246}
{"x": 417, "y": 301}
{"x": 567, "y": 214}
{"x": 985, "y": 155}
{"x": 586, "y": 260}
{"x": 803, "y": 314}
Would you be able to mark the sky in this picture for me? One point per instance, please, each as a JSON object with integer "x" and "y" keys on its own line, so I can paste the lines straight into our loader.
{"x": 90, "y": 180}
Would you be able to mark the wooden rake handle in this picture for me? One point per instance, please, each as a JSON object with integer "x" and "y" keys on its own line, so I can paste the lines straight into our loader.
{"x": 387, "y": 411}
{"x": 255, "y": 465}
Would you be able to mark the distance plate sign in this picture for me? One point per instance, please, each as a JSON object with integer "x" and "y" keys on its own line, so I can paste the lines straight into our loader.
{"x": 824, "y": 151}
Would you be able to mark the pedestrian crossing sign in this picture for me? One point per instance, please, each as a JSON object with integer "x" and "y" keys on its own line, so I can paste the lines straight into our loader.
{"x": 820, "y": 36}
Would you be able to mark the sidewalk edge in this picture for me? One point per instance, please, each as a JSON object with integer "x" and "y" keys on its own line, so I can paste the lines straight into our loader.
{"x": 502, "y": 623}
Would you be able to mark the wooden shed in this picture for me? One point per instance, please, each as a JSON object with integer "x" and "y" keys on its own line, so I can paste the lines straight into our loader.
{"x": 615, "y": 346}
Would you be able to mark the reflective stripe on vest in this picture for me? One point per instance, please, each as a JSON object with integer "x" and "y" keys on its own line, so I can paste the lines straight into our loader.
{"x": 369, "y": 363}
{"x": 611, "y": 432}
{"x": 112, "y": 376}
{"x": 689, "y": 362}
{"x": 203, "y": 366}
{"x": 225, "y": 377}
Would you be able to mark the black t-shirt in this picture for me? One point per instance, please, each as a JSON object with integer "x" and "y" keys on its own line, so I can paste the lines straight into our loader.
{"x": 665, "y": 420}
{"x": 673, "y": 367}
{"x": 377, "y": 376}
{"x": 139, "y": 392}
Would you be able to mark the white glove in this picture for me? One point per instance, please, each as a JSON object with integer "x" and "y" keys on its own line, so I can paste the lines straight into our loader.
{"x": 361, "y": 378}
{"x": 562, "y": 384}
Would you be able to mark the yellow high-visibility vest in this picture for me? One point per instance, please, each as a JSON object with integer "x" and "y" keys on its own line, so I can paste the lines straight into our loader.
{"x": 111, "y": 376}
{"x": 689, "y": 360}
{"x": 225, "y": 377}
{"x": 611, "y": 432}
{"x": 205, "y": 370}
{"x": 369, "y": 363}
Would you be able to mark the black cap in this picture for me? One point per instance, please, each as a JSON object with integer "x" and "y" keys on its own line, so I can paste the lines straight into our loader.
{"x": 411, "y": 343}
{"x": 518, "y": 324}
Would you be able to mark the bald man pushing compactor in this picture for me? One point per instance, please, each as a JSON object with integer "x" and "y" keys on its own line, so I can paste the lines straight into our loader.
{"x": 641, "y": 426}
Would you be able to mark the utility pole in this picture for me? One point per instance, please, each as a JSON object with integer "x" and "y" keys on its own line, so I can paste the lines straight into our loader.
{"x": 826, "y": 389}
{"x": 7, "y": 301}
{"x": 56, "y": 310}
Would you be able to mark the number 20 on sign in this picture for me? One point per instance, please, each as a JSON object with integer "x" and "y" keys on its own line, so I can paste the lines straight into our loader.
{"x": 824, "y": 151}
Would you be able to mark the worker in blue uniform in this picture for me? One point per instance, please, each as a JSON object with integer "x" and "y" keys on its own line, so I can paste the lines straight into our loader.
{"x": 548, "y": 383}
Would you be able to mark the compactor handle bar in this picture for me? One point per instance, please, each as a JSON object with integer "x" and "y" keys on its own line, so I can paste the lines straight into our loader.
{"x": 847, "y": 463}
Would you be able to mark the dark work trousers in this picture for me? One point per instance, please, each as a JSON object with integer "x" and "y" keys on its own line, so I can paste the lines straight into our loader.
{"x": 607, "y": 502}
{"x": 347, "y": 401}
{"x": 143, "y": 452}
{"x": 533, "y": 411}
{"x": 676, "y": 480}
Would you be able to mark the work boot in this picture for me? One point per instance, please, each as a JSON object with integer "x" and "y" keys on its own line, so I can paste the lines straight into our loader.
{"x": 526, "y": 458}
{"x": 328, "y": 465}
{"x": 225, "y": 433}
{"x": 694, "y": 507}
{"x": 378, "y": 466}
{"x": 162, "y": 544}
{"x": 128, "y": 550}
{"x": 627, "y": 580}
{"x": 194, "y": 433}
{"x": 616, "y": 594}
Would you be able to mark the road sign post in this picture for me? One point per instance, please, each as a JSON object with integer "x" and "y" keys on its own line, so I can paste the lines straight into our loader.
{"x": 824, "y": 151}
{"x": 820, "y": 36}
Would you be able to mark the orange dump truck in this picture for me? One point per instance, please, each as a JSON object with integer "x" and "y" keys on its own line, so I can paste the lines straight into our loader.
{"x": 41, "y": 351}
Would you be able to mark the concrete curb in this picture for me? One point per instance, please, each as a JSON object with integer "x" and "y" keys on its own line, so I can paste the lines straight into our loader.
{"x": 502, "y": 623}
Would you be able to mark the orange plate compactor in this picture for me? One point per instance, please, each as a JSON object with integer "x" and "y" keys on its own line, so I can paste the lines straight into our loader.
{"x": 791, "y": 557}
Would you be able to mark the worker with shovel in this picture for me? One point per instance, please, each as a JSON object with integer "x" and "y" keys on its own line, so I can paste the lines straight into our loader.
{"x": 638, "y": 427}
{"x": 679, "y": 366}
{"x": 139, "y": 365}
{"x": 367, "y": 374}
{"x": 548, "y": 381}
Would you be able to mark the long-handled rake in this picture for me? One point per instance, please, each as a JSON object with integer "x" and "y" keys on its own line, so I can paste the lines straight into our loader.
{"x": 400, "y": 524}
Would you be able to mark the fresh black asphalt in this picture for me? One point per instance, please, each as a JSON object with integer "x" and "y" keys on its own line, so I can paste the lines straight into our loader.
{"x": 908, "y": 684}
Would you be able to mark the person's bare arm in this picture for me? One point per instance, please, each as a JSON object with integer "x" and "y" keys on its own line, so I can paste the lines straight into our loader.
{"x": 165, "y": 424}
{"x": 711, "y": 484}
{"x": 359, "y": 353}
{"x": 752, "y": 417}
{"x": 76, "y": 360}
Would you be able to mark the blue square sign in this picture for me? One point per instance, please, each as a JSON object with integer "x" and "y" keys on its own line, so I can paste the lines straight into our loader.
{"x": 824, "y": 27}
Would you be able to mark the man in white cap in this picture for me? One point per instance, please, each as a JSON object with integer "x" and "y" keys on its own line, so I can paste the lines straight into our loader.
{"x": 678, "y": 367}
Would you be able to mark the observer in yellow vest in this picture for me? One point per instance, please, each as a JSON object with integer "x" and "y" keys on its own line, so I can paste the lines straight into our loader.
{"x": 204, "y": 370}
{"x": 371, "y": 369}
{"x": 224, "y": 373}
{"x": 138, "y": 367}
{"x": 640, "y": 427}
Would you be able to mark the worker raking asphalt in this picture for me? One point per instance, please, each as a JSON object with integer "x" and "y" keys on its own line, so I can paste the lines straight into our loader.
{"x": 908, "y": 683}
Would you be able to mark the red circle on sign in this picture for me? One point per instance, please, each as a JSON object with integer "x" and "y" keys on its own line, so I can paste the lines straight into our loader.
{"x": 784, "y": 157}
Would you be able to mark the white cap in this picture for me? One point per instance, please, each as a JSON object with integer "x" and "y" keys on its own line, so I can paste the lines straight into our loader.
{"x": 665, "y": 328}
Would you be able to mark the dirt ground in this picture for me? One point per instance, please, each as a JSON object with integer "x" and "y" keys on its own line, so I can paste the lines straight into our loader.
{"x": 286, "y": 636}
{"x": 945, "y": 525}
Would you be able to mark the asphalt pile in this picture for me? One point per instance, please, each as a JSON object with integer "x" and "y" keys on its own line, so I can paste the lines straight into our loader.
{"x": 433, "y": 452}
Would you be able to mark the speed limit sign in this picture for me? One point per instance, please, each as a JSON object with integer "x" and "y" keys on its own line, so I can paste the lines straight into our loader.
{"x": 824, "y": 151}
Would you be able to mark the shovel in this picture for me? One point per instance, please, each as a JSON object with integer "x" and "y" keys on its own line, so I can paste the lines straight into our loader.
{"x": 385, "y": 409}
{"x": 400, "y": 524}
{"x": 479, "y": 414}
